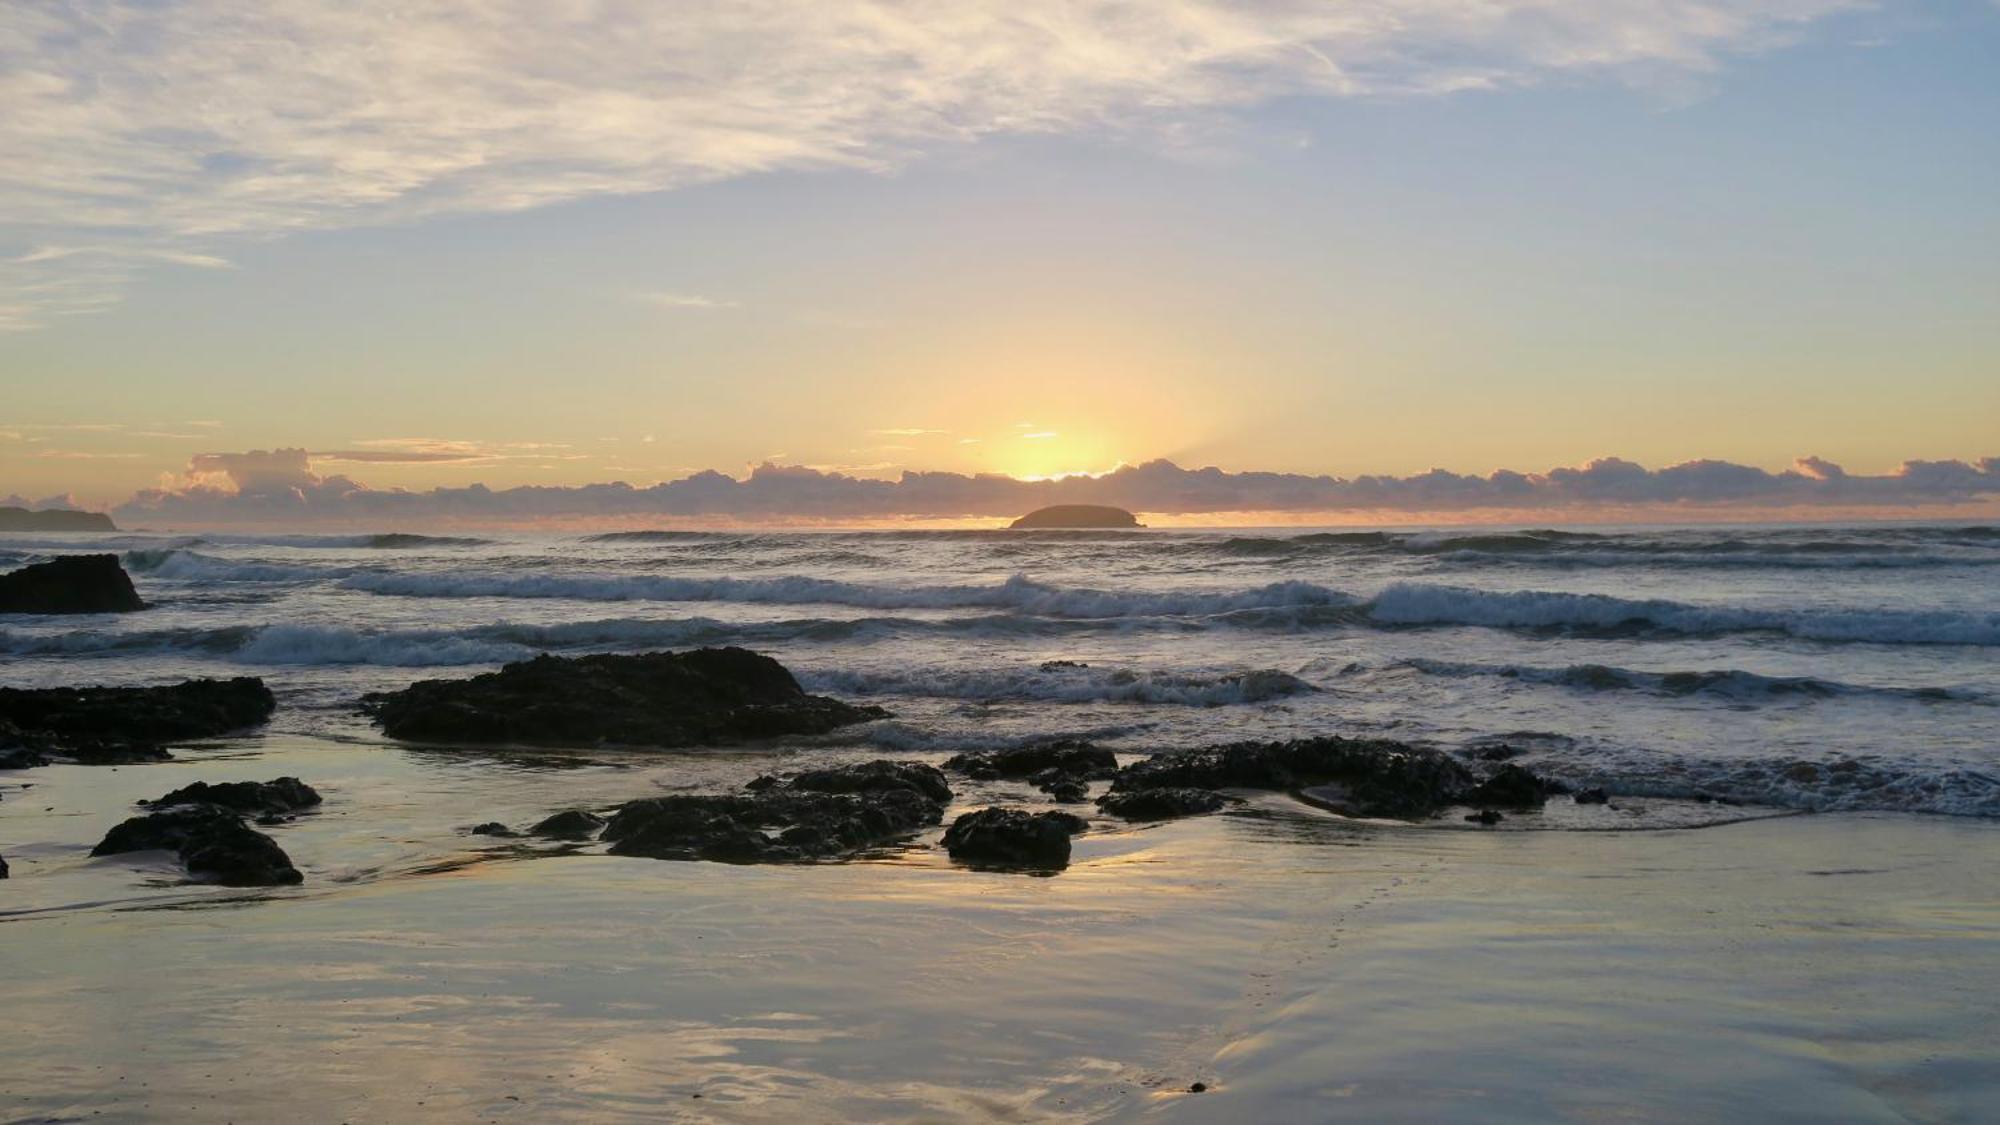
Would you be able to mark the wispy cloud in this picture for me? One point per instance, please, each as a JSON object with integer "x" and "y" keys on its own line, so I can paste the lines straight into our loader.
{"x": 393, "y": 456}
{"x": 910, "y": 431}
{"x": 428, "y": 450}
{"x": 683, "y": 301}
{"x": 419, "y": 445}
{"x": 81, "y": 455}
{"x": 1040, "y": 435}
{"x": 69, "y": 427}
{"x": 153, "y": 133}
{"x": 141, "y": 253}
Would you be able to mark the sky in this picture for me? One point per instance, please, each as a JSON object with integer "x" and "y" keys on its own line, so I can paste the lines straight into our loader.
{"x": 428, "y": 247}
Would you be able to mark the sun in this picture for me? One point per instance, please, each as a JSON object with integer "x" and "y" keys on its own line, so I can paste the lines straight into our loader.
{"x": 1033, "y": 452}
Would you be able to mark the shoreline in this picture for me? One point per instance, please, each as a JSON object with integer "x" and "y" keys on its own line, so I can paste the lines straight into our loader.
{"x": 1275, "y": 955}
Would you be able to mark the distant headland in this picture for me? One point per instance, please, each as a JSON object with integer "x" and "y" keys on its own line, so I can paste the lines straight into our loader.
{"x": 54, "y": 519}
{"x": 1075, "y": 516}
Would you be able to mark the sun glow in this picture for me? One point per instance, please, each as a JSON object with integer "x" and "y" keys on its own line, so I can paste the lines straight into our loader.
{"x": 1050, "y": 453}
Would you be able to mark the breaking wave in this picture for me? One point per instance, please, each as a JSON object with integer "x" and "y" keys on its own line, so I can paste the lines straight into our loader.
{"x": 1075, "y": 684}
{"x": 1856, "y": 549}
{"x": 1730, "y": 684}
{"x": 1019, "y": 594}
{"x": 1418, "y": 604}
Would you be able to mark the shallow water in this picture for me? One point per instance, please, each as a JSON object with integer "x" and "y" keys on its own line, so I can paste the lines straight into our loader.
{"x": 1302, "y": 966}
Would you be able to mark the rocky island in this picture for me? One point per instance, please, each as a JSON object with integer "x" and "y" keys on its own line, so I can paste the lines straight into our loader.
{"x": 53, "y": 519}
{"x": 1075, "y": 516}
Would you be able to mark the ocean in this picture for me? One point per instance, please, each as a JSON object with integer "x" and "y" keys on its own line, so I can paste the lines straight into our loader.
{"x": 1785, "y": 911}
{"x": 1738, "y": 662}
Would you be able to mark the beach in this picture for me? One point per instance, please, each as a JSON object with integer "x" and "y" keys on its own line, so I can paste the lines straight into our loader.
{"x": 1299, "y": 966}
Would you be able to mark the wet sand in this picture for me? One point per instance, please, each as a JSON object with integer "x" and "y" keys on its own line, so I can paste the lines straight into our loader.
{"x": 1300, "y": 966}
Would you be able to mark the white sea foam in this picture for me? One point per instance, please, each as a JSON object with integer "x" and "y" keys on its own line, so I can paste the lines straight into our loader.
{"x": 312, "y": 644}
{"x": 183, "y": 565}
{"x": 1420, "y": 604}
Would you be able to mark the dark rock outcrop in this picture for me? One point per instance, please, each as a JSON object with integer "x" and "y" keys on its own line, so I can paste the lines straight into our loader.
{"x": 70, "y": 584}
{"x": 878, "y": 776}
{"x": 815, "y": 814}
{"x": 1354, "y": 777}
{"x": 114, "y": 725}
{"x": 709, "y": 696}
{"x": 1058, "y": 516}
{"x": 14, "y": 756}
{"x": 1062, "y": 768}
{"x": 1511, "y": 787}
{"x": 251, "y": 798}
{"x": 53, "y": 519}
{"x": 571, "y": 824}
{"x": 213, "y": 843}
{"x": 1485, "y": 816}
{"x": 1161, "y": 804}
{"x": 1072, "y": 756}
{"x": 1062, "y": 788}
{"x": 1592, "y": 796}
{"x": 999, "y": 837}
{"x": 3, "y": 867}
{"x": 773, "y": 825}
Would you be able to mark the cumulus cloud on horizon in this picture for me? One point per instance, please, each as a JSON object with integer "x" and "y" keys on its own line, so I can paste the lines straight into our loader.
{"x": 138, "y": 134}
{"x": 283, "y": 486}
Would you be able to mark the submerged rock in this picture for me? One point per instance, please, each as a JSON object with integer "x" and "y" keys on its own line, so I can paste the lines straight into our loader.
{"x": 1358, "y": 777}
{"x": 1592, "y": 796}
{"x": 570, "y": 824}
{"x": 236, "y": 855}
{"x": 213, "y": 843}
{"x": 492, "y": 828}
{"x": 1161, "y": 804}
{"x": 1062, "y": 768}
{"x": 1072, "y": 756}
{"x": 70, "y": 584}
{"x": 707, "y": 696}
{"x": 1063, "y": 788}
{"x": 282, "y": 795}
{"x": 878, "y": 776}
{"x": 815, "y": 814}
{"x": 1013, "y": 838}
{"x": 1511, "y": 787}
{"x": 773, "y": 825}
{"x": 1485, "y": 816}
{"x": 114, "y": 725}
{"x": 3, "y": 867}
{"x": 1354, "y": 777}
{"x": 16, "y": 757}
{"x": 1075, "y": 516}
